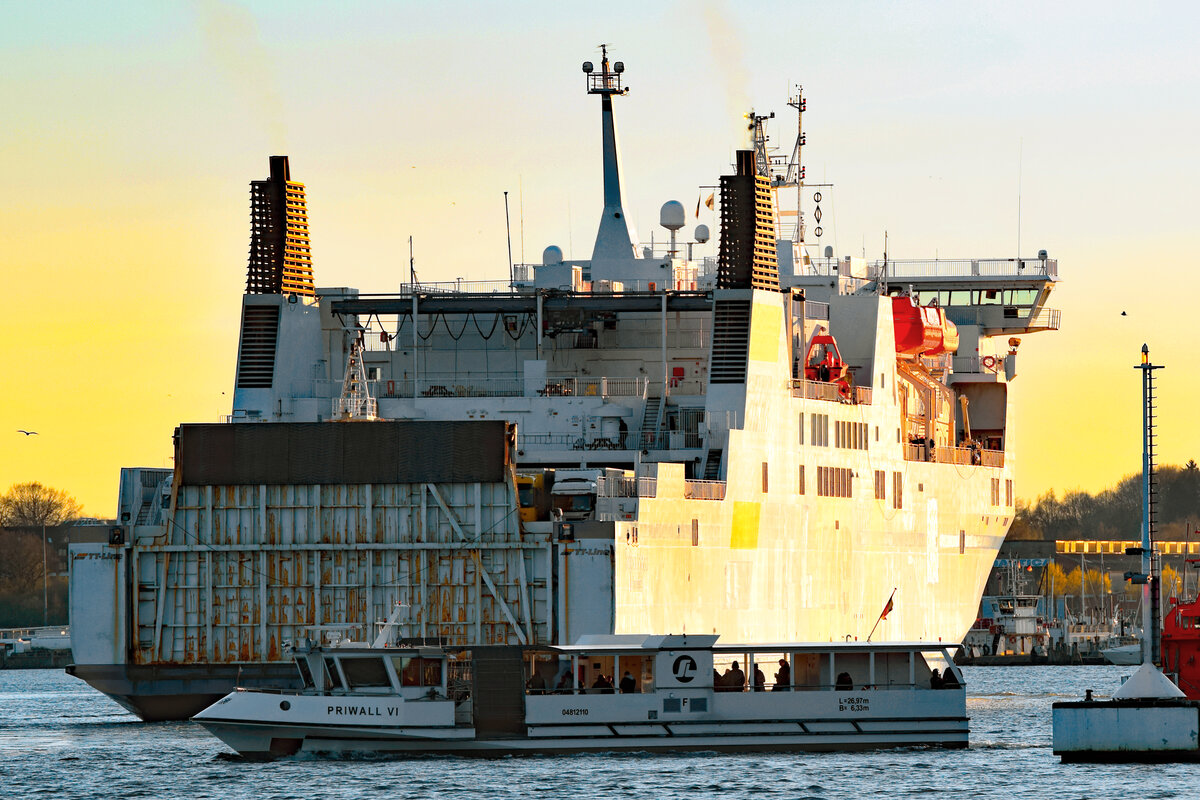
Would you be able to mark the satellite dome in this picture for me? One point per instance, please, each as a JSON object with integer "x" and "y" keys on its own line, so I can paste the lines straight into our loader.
{"x": 552, "y": 255}
{"x": 701, "y": 233}
{"x": 672, "y": 216}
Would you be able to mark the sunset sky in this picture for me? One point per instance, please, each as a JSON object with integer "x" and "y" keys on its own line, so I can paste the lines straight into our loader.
{"x": 131, "y": 132}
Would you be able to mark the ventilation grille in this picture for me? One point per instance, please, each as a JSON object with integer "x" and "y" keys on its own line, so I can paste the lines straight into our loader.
{"x": 731, "y": 338}
{"x": 256, "y": 356}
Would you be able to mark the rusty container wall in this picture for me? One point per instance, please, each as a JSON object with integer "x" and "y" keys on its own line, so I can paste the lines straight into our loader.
{"x": 240, "y": 569}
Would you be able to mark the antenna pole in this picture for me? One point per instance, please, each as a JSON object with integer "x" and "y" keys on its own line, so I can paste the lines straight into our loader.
{"x": 508, "y": 233}
{"x": 412, "y": 268}
{"x": 1151, "y": 613}
{"x": 1020, "y": 172}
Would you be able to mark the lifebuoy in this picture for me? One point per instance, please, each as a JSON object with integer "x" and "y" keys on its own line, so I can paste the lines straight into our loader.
{"x": 988, "y": 362}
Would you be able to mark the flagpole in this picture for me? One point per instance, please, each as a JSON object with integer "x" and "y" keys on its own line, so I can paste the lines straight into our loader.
{"x": 886, "y": 610}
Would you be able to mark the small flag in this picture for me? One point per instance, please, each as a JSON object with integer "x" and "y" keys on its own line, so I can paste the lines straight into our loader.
{"x": 887, "y": 609}
{"x": 698, "y": 197}
{"x": 709, "y": 202}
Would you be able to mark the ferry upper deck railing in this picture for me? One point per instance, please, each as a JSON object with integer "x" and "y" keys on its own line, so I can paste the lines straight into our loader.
{"x": 457, "y": 385}
{"x": 704, "y": 490}
{"x": 821, "y": 390}
{"x": 626, "y": 486}
{"x": 965, "y": 456}
{"x": 946, "y": 268}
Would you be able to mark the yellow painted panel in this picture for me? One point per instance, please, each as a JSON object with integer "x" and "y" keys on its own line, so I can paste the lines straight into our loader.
{"x": 745, "y": 526}
{"x": 764, "y": 332}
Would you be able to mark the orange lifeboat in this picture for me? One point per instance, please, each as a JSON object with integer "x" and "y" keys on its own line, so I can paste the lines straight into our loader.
{"x": 922, "y": 330}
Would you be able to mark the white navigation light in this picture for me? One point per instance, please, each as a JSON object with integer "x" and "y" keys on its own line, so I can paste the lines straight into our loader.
{"x": 587, "y": 67}
{"x": 702, "y": 233}
{"x": 672, "y": 216}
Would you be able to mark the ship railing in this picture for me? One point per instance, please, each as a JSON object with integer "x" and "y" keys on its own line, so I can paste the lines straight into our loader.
{"x": 992, "y": 458}
{"x": 954, "y": 455}
{"x": 822, "y": 390}
{"x": 977, "y": 364}
{"x": 602, "y": 387}
{"x": 617, "y": 487}
{"x": 946, "y": 268}
{"x": 548, "y": 441}
{"x": 647, "y": 487}
{"x": 941, "y": 362}
{"x": 457, "y": 385}
{"x": 670, "y": 440}
{"x": 459, "y": 286}
{"x": 1047, "y": 318}
{"x": 704, "y": 490}
{"x": 914, "y": 452}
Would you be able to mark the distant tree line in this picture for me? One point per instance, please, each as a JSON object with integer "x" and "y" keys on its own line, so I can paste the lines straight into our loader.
{"x": 27, "y": 510}
{"x": 1114, "y": 513}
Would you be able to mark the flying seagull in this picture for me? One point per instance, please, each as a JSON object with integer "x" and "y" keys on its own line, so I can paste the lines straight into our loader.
{"x": 27, "y": 433}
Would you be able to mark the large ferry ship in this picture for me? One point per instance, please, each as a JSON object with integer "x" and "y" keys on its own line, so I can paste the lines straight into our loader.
{"x": 769, "y": 445}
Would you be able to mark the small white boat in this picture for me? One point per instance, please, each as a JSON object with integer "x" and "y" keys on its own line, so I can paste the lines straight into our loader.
{"x": 670, "y": 696}
{"x": 1123, "y": 655}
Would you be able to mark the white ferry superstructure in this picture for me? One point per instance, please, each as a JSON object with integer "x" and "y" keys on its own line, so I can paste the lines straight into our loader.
{"x": 765, "y": 445}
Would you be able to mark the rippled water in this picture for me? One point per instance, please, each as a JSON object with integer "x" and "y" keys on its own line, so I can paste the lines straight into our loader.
{"x": 61, "y": 739}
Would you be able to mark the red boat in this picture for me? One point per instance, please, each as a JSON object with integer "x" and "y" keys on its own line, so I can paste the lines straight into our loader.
{"x": 1181, "y": 646}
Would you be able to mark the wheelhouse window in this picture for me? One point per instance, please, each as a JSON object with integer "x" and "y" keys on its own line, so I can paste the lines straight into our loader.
{"x": 365, "y": 673}
{"x": 306, "y": 676}
{"x": 333, "y": 678}
{"x": 414, "y": 671}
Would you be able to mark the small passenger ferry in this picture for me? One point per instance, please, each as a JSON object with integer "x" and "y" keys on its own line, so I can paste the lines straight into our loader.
{"x": 604, "y": 693}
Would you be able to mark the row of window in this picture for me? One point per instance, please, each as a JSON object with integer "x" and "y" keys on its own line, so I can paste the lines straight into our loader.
{"x": 850, "y": 435}
{"x": 1008, "y": 492}
{"x": 839, "y": 482}
{"x": 835, "y": 482}
{"x": 846, "y": 435}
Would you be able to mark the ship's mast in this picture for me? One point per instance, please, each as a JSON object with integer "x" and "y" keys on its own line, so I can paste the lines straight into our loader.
{"x": 1151, "y": 617}
{"x": 613, "y": 240}
{"x": 784, "y": 173}
{"x": 795, "y": 169}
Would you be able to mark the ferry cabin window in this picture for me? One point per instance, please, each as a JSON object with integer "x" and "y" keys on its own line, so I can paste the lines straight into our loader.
{"x": 525, "y": 495}
{"x": 365, "y": 672}
{"x": 995, "y": 491}
{"x": 1008, "y": 493}
{"x": 418, "y": 671}
{"x": 333, "y": 678}
{"x": 835, "y": 482}
{"x": 695, "y": 533}
{"x": 764, "y": 476}
{"x": 306, "y": 676}
{"x": 801, "y": 488}
{"x": 820, "y": 430}
{"x": 802, "y": 428}
{"x": 897, "y": 490}
{"x": 880, "y": 485}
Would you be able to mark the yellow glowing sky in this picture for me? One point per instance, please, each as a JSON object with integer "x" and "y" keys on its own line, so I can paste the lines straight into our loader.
{"x": 130, "y": 135}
